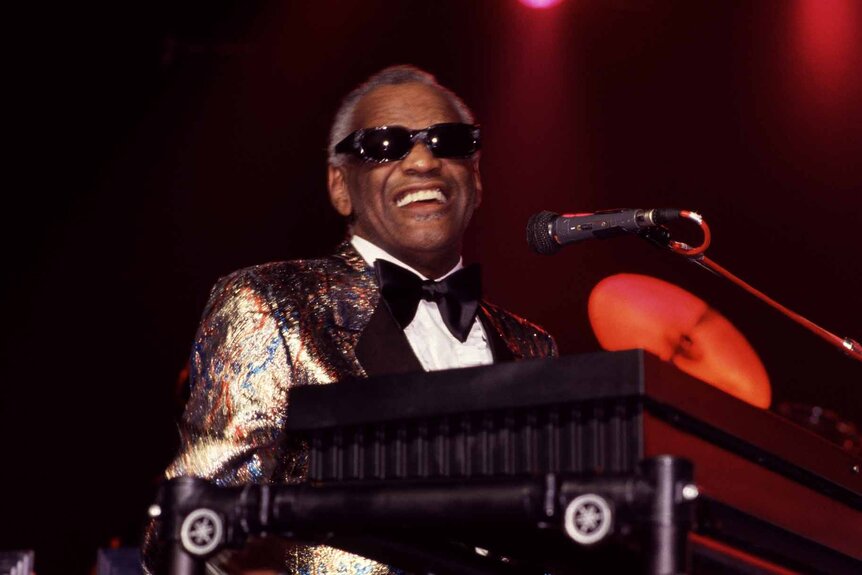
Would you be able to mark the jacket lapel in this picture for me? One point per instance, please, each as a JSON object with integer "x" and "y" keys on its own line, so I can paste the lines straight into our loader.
{"x": 383, "y": 348}
{"x": 499, "y": 350}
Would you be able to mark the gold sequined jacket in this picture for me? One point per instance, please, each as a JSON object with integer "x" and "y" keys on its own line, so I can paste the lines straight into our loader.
{"x": 274, "y": 326}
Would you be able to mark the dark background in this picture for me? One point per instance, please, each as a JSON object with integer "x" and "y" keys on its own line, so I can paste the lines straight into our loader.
{"x": 160, "y": 145}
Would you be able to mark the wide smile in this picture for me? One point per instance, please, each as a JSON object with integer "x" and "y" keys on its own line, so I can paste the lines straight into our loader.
{"x": 430, "y": 195}
{"x": 421, "y": 196}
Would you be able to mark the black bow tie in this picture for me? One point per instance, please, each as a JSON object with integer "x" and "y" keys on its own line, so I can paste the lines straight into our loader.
{"x": 457, "y": 295}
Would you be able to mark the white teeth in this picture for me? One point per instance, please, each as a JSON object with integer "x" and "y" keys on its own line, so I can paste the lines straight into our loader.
{"x": 421, "y": 196}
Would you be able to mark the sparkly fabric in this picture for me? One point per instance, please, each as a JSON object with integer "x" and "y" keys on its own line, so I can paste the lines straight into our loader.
{"x": 272, "y": 327}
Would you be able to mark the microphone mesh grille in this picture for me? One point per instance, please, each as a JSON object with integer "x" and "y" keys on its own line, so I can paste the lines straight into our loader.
{"x": 539, "y": 234}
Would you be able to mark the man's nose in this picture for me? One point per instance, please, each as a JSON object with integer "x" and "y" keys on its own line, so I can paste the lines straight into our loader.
{"x": 420, "y": 159}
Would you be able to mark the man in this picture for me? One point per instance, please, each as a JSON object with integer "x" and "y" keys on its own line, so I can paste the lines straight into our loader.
{"x": 409, "y": 195}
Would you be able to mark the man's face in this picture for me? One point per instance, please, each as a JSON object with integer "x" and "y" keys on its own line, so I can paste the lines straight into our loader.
{"x": 416, "y": 208}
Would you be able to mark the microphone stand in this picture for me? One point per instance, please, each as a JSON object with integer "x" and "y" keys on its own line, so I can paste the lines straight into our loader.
{"x": 660, "y": 236}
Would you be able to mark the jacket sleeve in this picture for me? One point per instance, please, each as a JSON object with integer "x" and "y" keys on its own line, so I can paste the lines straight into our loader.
{"x": 240, "y": 374}
{"x": 232, "y": 427}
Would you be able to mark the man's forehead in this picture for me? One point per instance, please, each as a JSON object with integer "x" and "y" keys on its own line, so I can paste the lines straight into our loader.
{"x": 413, "y": 105}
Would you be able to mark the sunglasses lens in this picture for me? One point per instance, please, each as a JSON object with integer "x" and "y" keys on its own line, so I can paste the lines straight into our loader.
{"x": 386, "y": 144}
{"x": 390, "y": 143}
{"x": 452, "y": 140}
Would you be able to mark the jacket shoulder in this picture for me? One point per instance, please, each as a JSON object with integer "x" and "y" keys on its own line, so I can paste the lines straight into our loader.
{"x": 301, "y": 276}
{"x": 334, "y": 290}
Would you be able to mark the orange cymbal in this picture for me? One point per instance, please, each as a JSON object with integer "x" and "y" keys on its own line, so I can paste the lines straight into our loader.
{"x": 629, "y": 311}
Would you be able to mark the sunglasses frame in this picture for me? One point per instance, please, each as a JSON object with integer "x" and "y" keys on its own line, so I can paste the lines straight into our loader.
{"x": 352, "y": 144}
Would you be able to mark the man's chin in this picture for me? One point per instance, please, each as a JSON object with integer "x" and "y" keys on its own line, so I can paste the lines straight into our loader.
{"x": 425, "y": 248}
{"x": 430, "y": 243}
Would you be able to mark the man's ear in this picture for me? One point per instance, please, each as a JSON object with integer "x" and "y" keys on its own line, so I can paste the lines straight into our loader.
{"x": 339, "y": 197}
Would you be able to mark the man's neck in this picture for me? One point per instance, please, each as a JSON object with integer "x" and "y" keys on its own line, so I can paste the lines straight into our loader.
{"x": 433, "y": 268}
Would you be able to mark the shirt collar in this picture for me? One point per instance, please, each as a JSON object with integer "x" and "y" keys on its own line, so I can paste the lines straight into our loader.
{"x": 371, "y": 253}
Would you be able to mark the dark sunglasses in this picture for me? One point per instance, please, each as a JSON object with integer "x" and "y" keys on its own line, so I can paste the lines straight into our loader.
{"x": 390, "y": 143}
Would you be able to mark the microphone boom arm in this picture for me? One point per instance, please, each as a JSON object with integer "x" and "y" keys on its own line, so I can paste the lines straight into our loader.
{"x": 661, "y": 237}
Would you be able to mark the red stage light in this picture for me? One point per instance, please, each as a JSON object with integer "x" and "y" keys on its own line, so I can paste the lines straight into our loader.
{"x": 828, "y": 40}
{"x": 540, "y": 3}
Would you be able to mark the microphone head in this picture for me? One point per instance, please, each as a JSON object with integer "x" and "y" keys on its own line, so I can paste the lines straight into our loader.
{"x": 539, "y": 233}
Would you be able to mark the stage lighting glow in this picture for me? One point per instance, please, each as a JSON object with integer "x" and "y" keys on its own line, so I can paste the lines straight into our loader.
{"x": 827, "y": 39}
{"x": 540, "y": 3}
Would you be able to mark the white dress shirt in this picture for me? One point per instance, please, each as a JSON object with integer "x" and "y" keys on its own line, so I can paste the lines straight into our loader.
{"x": 429, "y": 337}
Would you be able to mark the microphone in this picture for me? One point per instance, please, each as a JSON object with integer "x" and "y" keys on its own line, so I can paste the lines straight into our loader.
{"x": 547, "y": 231}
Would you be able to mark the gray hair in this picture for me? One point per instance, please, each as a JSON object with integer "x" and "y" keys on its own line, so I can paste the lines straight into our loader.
{"x": 391, "y": 76}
